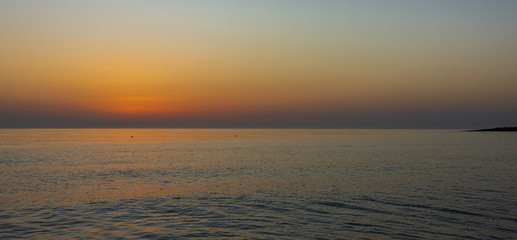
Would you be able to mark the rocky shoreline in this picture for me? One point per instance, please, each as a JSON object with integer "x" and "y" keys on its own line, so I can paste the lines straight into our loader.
{"x": 498, "y": 129}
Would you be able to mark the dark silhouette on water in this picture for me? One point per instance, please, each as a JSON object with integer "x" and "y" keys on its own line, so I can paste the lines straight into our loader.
{"x": 498, "y": 129}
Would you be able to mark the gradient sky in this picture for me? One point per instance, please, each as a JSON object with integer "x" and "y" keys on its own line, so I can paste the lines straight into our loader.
{"x": 298, "y": 63}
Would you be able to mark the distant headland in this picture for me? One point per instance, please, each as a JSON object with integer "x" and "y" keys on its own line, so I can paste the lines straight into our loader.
{"x": 498, "y": 129}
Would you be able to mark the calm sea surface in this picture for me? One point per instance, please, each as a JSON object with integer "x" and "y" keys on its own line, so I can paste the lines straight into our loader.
{"x": 257, "y": 184}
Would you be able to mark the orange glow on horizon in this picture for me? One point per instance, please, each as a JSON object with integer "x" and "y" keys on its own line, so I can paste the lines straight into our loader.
{"x": 180, "y": 60}
{"x": 133, "y": 106}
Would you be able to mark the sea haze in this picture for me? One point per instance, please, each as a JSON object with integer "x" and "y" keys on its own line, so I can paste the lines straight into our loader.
{"x": 257, "y": 183}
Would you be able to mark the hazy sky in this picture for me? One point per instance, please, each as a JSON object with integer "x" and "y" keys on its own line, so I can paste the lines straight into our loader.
{"x": 299, "y": 63}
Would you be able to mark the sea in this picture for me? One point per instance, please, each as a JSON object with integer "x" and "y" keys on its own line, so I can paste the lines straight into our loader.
{"x": 257, "y": 184}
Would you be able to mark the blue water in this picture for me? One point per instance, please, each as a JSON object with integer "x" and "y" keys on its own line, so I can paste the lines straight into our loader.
{"x": 257, "y": 184}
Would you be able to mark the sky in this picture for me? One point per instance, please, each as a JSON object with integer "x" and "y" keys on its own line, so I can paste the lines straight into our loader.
{"x": 258, "y": 64}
